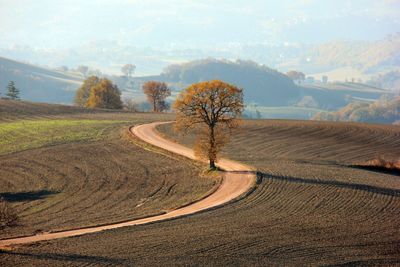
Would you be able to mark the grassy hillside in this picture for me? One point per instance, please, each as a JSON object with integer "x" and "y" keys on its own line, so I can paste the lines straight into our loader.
{"x": 73, "y": 170}
{"x": 309, "y": 208}
{"x": 37, "y": 83}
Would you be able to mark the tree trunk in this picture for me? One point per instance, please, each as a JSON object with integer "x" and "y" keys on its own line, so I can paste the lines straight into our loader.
{"x": 212, "y": 165}
{"x": 211, "y": 149}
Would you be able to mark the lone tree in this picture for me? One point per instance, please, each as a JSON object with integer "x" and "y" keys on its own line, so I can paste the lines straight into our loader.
{"x": 83, "y": 92}
{"x": 12, "y": 91}
{"x": 214, "y": 108}
{"x": 156, "y": 93}
{"x": 105, "y": 94}
{"x": 128, "y": 69}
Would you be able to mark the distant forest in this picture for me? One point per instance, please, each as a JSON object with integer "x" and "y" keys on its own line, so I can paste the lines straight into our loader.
{"x": 261, "y": 83}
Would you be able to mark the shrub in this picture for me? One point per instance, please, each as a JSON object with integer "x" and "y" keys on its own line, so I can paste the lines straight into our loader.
{"x": 381, "y": 162}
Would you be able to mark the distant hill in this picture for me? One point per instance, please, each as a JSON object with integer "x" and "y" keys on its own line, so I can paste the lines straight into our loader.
{"x": 37, "y": 83}
{"x": 260, "y": 83}
{"x": 338, "y": 94}
{"x": 264, "y": 86}
{"x": 340, "y": 59}
{"x": 368, "y": 56}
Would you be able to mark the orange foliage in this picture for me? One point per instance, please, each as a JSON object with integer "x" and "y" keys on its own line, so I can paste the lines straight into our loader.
{"x": 214, "y": 107}
{"x": 156, "y": 93}
{"x": 104, "y": 95}
{"x": 83, "y": 92}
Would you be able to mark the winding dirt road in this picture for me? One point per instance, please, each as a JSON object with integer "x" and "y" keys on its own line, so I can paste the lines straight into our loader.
{"x": 237, "y": 180}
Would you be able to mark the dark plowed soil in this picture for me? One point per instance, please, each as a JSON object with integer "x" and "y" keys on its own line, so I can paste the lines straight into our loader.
{"x": 70, "y": 186}
{"x": 309, "y": 208}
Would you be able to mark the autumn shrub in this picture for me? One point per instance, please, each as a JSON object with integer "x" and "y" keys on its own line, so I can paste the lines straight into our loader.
{"x": 105, "y": 94}
{"x": 382, "y": 162}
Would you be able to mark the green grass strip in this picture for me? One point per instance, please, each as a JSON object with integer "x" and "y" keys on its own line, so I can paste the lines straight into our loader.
{"x": 27, "y": 134}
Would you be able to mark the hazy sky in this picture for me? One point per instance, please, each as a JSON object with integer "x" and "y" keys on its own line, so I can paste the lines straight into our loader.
{"x": 190, "y": 23}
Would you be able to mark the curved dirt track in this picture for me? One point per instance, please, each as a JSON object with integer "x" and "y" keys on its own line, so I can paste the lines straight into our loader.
{"x": 237, "y": 180}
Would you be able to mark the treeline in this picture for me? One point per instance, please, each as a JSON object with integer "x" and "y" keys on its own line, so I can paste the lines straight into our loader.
{"x": 384, "y": 110}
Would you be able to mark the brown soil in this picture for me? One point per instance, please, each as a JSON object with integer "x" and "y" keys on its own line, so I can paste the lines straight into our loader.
{"x": 77, "y": 185}
{"x": 310, "y": 208}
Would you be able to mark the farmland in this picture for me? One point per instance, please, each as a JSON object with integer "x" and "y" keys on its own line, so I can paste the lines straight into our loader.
{"x": 29, "y": 134}
{"x": 64, "y": 171}
{"x": 310, "y": 207}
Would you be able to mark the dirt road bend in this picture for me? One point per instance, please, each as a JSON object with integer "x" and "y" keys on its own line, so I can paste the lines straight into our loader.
{"x": 237, "y": 180}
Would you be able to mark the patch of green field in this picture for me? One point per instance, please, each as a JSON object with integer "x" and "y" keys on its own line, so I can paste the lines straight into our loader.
{"x": 27, "y": 134}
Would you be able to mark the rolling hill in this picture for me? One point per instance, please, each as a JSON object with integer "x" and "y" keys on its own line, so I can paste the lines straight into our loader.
{"x": 37, "y": 83}
{"x": 259, "y": 82}
{"x": 264, "y": 86}
{"x": 338, "y": 94}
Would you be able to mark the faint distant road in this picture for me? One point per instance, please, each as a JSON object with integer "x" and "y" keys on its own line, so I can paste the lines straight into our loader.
{"x": 237, "y": 180}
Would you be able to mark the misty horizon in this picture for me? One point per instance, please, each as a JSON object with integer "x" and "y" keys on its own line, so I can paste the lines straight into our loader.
{"x": 50, "y": 33}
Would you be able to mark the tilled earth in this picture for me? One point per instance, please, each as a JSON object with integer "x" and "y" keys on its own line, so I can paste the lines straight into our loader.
{"x": 310, "y": 208}
{"x": 80, "y": 184}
